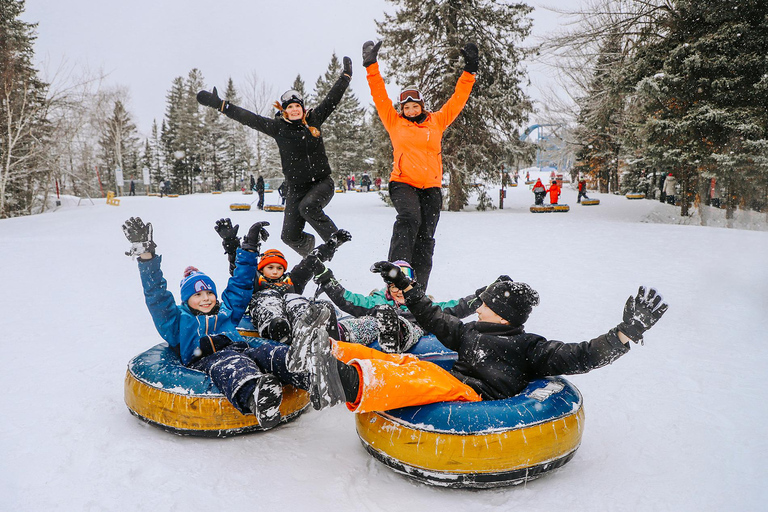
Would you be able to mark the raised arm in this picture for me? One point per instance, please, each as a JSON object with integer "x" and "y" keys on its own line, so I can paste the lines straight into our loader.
{"x": 320, "y": 113}
{"x": 263, "y": 124}
{"x": 387, "y": 112}
{"x": 455, "y": 104}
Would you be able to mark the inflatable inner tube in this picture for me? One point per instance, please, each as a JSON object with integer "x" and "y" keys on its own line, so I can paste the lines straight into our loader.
{"x": 165, "y": 393}
{"x": 479, "y": 444}
{"x": 274, "y": 208}
{"x": 239, "y": 206}
{"x": 635, "y": 196}
{"x": 590, "y": 202}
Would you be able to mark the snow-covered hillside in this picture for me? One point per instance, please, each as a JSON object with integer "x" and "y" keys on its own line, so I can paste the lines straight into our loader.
{"x": 677, "y": 424}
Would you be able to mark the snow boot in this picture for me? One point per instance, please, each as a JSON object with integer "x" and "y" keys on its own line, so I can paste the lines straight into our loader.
{"x": 277, "y": 329}
{"x": 315, "y": 317}
{"x": 265, "y": 401}
{"x": 390, "y": 338}
{"x": 326, "y": 389}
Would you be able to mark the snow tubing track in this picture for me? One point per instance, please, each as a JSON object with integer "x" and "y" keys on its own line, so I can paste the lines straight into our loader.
{"x": 165, "y": 393}
{"x": 485, "y": 444}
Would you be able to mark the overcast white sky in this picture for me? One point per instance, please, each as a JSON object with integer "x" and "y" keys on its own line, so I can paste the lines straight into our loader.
{"x": 144, "y": 44}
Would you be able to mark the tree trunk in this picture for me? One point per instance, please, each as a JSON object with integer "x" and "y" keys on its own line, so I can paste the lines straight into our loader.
{"x": 456, "y": 190}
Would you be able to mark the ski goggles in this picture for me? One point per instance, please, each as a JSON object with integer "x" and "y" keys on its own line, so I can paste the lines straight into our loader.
{"x": 406, "y": 269}
{"x": 411, "y": 94}
{"x": 291, "y": 96}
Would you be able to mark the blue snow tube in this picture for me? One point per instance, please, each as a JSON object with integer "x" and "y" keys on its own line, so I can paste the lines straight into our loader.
{"x": 485, "y": 444}
{"x": 160, "y": 390}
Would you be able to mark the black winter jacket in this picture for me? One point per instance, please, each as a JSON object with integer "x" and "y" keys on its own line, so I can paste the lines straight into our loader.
{"x": 302, "y": 155}
{"x": 498, "y": 361}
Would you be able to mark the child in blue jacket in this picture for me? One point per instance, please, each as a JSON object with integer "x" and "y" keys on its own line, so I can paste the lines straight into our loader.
{"x": 202, "y": 329}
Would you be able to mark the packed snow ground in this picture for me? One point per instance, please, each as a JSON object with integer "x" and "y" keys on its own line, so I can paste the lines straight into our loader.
{"x": 677, "y": 424}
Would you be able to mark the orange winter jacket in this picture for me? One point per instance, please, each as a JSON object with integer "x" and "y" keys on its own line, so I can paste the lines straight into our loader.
{"x": 417, "y": 148}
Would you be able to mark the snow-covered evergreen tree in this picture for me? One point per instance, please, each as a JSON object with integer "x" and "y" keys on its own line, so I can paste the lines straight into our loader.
{"x": 119, "y": 145}
{"x": 422, "y": 40}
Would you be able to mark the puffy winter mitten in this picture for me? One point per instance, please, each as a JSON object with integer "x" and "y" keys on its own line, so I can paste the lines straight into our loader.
{"x": 641, "y": 312}
{"x": 211, "y": 99}
{"x": 391, "y": 274}
{"x": 325, "y": 252}
{"x": 471, "y": 57}
{"x": 228, "y": 234}
{"x": 323, "y": 277}
{"x": 347, "y": 66}
{"x": 256, "y": 235}
{"x": 370, "y": 52}
{"x": 140, "y": 236}
{"x": 315, "y": 265}
{"x": 277, "y": 329}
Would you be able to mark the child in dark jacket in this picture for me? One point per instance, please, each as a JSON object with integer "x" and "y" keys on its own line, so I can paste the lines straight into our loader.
{"x": 202, "y": 329}
{"x": 277, "y": 302}
{"x": 496, "y": 357}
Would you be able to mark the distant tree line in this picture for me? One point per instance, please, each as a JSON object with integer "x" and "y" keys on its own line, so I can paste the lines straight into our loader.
{"x": 672, "y": 86}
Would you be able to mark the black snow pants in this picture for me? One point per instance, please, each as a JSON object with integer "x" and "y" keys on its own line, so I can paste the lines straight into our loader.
{"x": 304, "y": 203}
{"x": 413, "y": 235}
{"x": 234, "y": 371}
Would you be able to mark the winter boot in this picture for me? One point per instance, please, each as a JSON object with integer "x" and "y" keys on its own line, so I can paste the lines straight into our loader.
{"x": 326, "y": 389}
{"x": 277, "y": 329}
{"x": 315, "y": 317}
{"x": 265, "y": 401}
{"x": 390, "y": 338}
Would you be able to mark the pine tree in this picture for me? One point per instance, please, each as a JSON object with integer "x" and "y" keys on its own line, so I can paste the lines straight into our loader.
{"x": 298, "y": 85}
{"x": 23, "y": 113}
{"x": 118, "y": 143}
{"x": 237, "y": 150}
{"x": 702, "y": 91}
{"x": 343, "y": 132}
{"x": 422, "y": 40}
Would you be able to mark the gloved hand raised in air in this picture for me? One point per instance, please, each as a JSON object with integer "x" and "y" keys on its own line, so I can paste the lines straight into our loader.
{"x": 392, "y": 274}
{"x": 347, "y": 63}
{"x": 641, "y": 312}
{"x": 210, "y": 99}
{"x": 228, "y": 234}
{"x": 256, "y": 235}
{"x": 370, "y": 52}
{"x": 325, "y": 252}
{"x": 140, "y": 236}
{"x": 471, "y": 57}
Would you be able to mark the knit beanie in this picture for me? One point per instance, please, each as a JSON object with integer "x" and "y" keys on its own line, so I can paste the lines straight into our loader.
{"x": 511, "y": 300}
{"x": 195, "y": 281}
{"x": 272, "y": 256}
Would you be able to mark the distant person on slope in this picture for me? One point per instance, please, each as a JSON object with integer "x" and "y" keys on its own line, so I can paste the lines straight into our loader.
{"x": 309, "y": 187}
{"x": 539, "y": 191}
{"x": 417, "y": 174}
{"x": 554, "y": 192}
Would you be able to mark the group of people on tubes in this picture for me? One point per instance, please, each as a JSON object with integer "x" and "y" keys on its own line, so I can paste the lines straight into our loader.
{"x": 496, "y": 357}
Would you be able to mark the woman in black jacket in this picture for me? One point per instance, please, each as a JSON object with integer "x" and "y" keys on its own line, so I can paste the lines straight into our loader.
{"x": 309, "y": 187}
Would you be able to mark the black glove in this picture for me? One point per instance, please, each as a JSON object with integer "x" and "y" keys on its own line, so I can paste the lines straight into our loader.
{"x": 210, "y": 99}
{"x": 314, "y": 264}
{"x": 641, "y": 313}
{"x": 347, "y": 66}
{"x": 228, "y": 234}
{"x": 140, "y": 236}
{"x": 211, "y": 344}
{"x": 471, "y": 57}
{"x": 502, "y": 277}
{"x": 370, "y": 52}
{"x": 391, "y": 274}
{"x": 324, "y": 277}
{"x": 256, "y": 235}
{"x": 325, "y": 252}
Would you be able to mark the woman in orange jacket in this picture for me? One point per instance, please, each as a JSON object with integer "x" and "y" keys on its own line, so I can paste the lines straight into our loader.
{"x": 417, "y": 172}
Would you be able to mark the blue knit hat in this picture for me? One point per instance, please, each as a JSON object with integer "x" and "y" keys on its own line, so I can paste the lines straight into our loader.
{"x": 195, "y": 281}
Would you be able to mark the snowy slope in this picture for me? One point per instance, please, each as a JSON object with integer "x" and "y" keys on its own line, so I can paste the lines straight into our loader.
{"x": 677, "y": 424}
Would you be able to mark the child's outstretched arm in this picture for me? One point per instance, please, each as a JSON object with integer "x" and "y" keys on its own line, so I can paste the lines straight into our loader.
{"x": 240, "y": 286}
{"x": 229, "y": 240}
{"x": 160, "y": 302}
